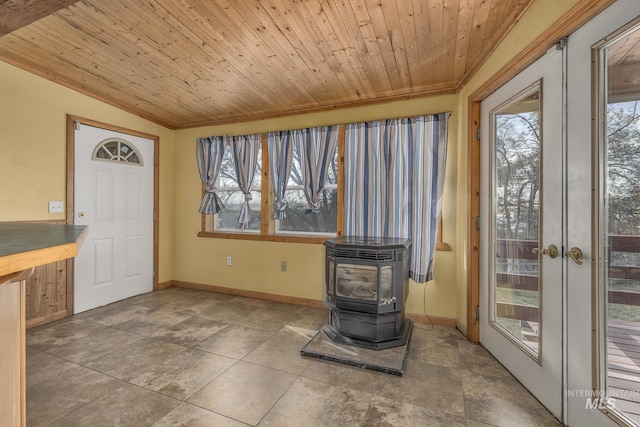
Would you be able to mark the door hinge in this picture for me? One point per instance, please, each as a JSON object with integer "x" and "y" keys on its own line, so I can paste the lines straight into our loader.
{"x": 478, "y": 222}
{"x": 76, "y": 125}
{"x": 478, "y": 133}
{"x": 154, "y": 216}
{"x": 153, "y": 272}
{"x": 477, "y": 312}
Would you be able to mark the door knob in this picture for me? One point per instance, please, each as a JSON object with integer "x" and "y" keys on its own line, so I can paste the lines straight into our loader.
{"x": 81, "y": 214}
{"x": 575, "y": 254}
{"x": 552, "y": 251}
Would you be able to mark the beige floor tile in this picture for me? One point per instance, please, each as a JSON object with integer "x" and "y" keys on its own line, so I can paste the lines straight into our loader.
{"x": 228, "y": 312}
{"x": 386, "y": 412}
{"x": 91, "y": 347}
{"x": 476, "y": 358}
{"x": 42, "y": 367}
{"x": 154, "y": 320}
{"x": 245, "y": 392}
{"x": 254, "y": 302}
{"x": 237, "y": 362}
{"x": 267, "y": 319}
{"x": 126, "y": 405}
{"x": 183, "y": 374}
{"x": 234, "y": 341}
{"x": 282, "y": 350}
{"x": 114, "y": 315}
{"x": 190, "y": 331}
{"x": 431, "y": 345}
{"x": 502, "y": 401}
{"x": 58, "y": 334}
{"x": 431, "y": 386}
{"x": 187, "y": 415}
{"x": 66, "y": 391}
{"x": 136, "y": 358}
{"x": 315, "y": 403}
{"x": 308, "y": 317}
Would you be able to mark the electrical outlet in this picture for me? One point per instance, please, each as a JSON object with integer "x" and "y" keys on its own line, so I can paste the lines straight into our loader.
{"x": 56, "y": 206}
{"x": 283, "y": 265}
{"x": 229, "y": 260}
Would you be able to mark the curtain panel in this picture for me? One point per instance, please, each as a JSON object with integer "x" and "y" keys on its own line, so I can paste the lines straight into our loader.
{"x": 245, "y": 158}
{"x": 394, "y": 180}
{"x": 280, "y": 146}
{"x": 316, "y": 148}
{"x": 209, "y": 153}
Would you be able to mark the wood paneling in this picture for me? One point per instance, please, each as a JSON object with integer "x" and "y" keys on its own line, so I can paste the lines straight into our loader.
{"x": 46, "y": 288}
{"x": 46, "y": 294}
{"x": 194, "y": 62}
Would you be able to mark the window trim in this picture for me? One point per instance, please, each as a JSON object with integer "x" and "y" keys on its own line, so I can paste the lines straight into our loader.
{"x": 267, "y": 223}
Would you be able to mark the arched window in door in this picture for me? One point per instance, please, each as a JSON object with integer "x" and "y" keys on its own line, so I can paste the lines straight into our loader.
{"x": 117, "y": 150}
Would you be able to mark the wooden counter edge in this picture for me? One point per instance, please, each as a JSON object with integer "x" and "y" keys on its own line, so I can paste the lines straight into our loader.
{"x": 13, "y": 263}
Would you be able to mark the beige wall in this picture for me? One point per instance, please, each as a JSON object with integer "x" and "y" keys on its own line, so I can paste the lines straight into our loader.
{"x": 33, "y": 124}
{"x": 33, "y": 145}
{"x": 256, "y": 265}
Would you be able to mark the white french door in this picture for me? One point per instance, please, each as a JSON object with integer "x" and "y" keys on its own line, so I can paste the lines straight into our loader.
{"x": 521, "y": 227}
{"x": 603, "y": 205}
{"x": 113, "y": 196}
{"x": 567, "y": 326}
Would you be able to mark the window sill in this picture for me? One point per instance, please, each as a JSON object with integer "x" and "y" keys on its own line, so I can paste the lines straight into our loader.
{"x": 440, "y": 246}
{"x": 265, "y": 237}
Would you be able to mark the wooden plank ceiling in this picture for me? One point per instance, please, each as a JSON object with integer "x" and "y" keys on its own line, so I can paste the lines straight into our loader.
{"x": 186, "y": 63}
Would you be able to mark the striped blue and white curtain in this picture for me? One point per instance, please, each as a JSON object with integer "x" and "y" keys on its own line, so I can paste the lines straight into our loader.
{"x": 245, "y": 150}
{"x": 394, "y": 180}
{"x": 316, "y": 148}
{"x": 280, "y": 145}
{"x": 209, "y": 153}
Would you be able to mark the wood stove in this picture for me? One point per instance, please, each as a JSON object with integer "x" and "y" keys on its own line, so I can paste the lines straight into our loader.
{"x": 367, "y": 283}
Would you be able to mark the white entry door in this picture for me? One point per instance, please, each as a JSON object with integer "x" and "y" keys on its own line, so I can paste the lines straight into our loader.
{"x": 521, "y": 227}
{"x": 113, "y": 196}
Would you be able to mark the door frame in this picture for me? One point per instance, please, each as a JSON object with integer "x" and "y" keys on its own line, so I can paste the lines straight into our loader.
{"x": 580, "y": 14}
{"x": 70, "y": 215}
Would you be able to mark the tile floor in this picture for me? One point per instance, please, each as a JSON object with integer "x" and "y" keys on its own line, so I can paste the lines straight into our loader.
{"x": 181, "y": 357}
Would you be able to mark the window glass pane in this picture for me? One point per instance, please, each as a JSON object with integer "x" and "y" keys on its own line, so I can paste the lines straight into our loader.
{"x": 516, "y": 200}
{"x": 227, "y": 177}
{"x": 299, "y": 219}
{"x": 233, "y": 198}
{"x": 227, "y": 219}
{"x": 117, "y": 150}
{"x": 620, "y": 222}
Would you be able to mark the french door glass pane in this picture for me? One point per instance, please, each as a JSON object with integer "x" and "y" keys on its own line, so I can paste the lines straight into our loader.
{"x": 516, "y": 208}
{"x": 620, "y": 222}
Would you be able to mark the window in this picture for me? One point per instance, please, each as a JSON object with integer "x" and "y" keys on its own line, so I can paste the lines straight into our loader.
{"x": 117, "y": 150}
{"x": 301, "y": 223}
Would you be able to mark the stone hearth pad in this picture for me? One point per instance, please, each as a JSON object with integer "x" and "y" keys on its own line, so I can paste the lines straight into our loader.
{"x": 390, "y": 360}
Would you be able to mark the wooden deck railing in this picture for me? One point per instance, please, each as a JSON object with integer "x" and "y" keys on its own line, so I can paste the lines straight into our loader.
{"x": 522, "y": 249}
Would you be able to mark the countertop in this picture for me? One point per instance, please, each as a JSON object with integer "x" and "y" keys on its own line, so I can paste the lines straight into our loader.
{"x": 26, "y": 245}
